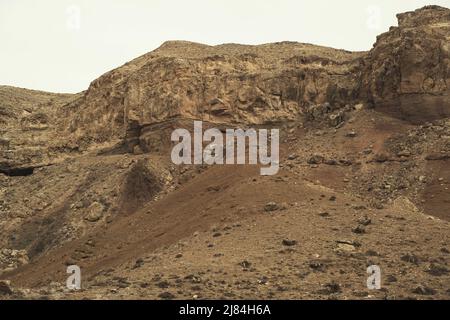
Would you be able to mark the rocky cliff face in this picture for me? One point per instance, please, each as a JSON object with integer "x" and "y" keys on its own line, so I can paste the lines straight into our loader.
{"x": 406, "y": 74}
{"x": 408, "y": 70}
{"x": 28, "y": 134}
{"x": 223, "y": 84}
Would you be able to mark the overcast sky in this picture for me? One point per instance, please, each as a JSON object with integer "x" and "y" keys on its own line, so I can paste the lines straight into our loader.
{"x": 62, "y": 45}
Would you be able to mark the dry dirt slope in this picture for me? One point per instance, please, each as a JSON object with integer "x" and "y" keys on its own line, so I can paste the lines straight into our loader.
{"x": 86, "y": 179}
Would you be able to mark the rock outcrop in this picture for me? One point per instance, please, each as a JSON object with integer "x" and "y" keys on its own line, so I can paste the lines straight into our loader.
{"x": 408, "y": 70}
{"x": 221, "y": 84}
{"x": 406, "y": 74}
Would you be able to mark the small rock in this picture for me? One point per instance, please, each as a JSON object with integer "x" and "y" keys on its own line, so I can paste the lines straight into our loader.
{"x": 336, "y": 119}
{"x": 359, "y": 229}
{"x": 263, "y": 280}
{"x": 316, "y": 159}
{"x": 411, "y": 258}
{"x": 365, "y": 221}
{"x": 351, "y": 134}
{"x": 423, "y": 290}
{"x": 331, "y": 162}
{"x": 317, "y": 265}
{"x": 437, "y": 270}
{"x": 404, "y": 153}
{"x": 331, "y": 288}
{"x": 166, "y": 296}
{"x": 213, "y": 188}
{"x": 345, "y": 162}
{"x": 95, "y": 212}
{"x": 245, "y": 264}
{"x": 381, "y": 157}
{"x": 139, "y": 263}
{"x": 163, "y": 284}
{"x": 289, "y": 243}
{"x": 271, "y": 206}
{"x": 344, "y": 248}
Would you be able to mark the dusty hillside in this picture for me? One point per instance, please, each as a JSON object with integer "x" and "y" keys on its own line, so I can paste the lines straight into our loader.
{"x": 87, "y": 179}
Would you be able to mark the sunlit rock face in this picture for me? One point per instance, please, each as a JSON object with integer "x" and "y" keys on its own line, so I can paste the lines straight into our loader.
{"x": 408, "y": 69}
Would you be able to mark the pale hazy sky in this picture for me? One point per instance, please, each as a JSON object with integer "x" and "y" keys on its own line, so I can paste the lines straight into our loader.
{"x": 62, "y": 45}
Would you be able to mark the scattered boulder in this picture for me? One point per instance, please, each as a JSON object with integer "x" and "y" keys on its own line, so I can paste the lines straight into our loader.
{"x": 345, "y": 162}
{"x": 331, "y": 162}
{"x": 380, "y": 157}
{"x": 437, "y": 270}
{"x": 163, "y": 284}
{"x": 411, "y": 258}
{"x": 331, "y": 288}
{"x": 360, "y": 229}
{"x": 289, "y": 242}
{"x": 139, "y": 263}
{"x": 316, "y": 159}
{"x": 95, "y": 212}
{"x": 404, "y": 153}
{"x": 245, "y": 264}
{"x": 424, "y": 290}
{"x": 12, "y": 258}
{"x": 336, "y": 119}
{"x": 317, "y": 266}
{"x": 365, "y": 221}
{"x": 271, "y": 206}
{"x": 352, "y": 243}
{"x": 166, "y": 296}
